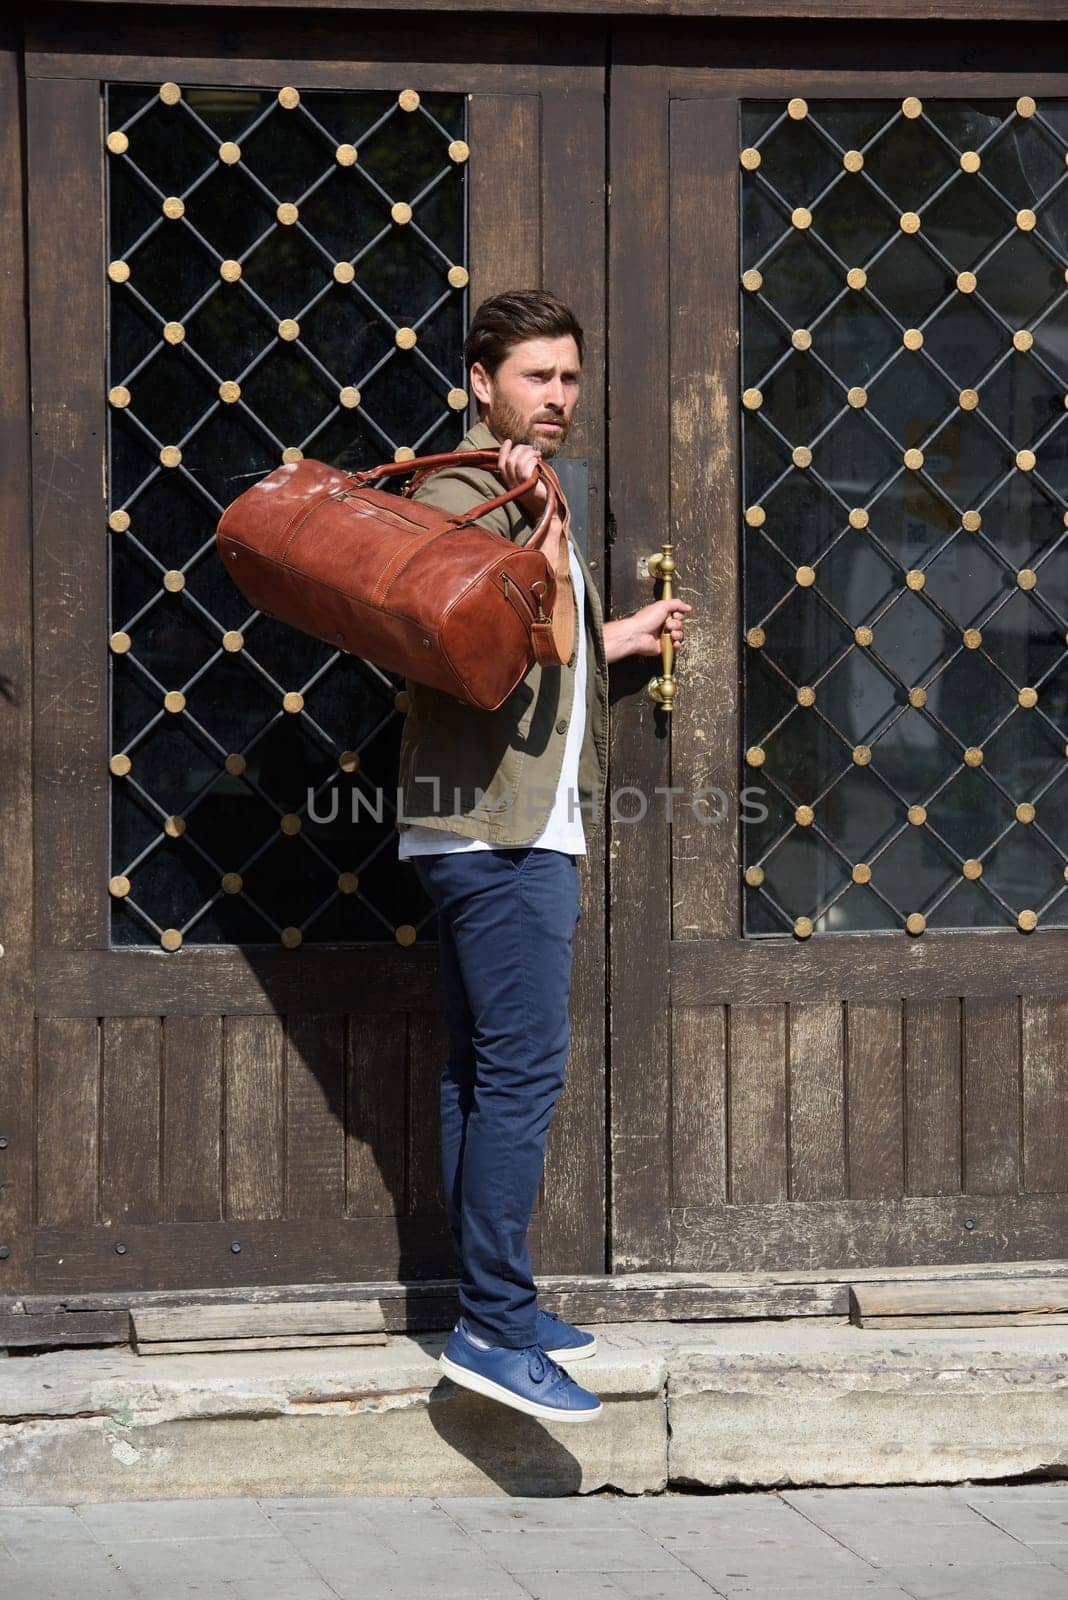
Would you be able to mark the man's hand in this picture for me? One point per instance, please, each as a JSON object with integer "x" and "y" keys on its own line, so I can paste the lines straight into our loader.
{"x": 515, "y": 464}
{"x": 639, "y": 634}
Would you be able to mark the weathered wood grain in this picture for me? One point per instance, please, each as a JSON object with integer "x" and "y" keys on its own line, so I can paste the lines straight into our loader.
{"x": 991, "y": 1096}
{"x": 130, "y": 1120}
{"x": 192, "y": 1119}
{"x": 875, "y": 1078}
{"x": 954, "y": 1297}
{"x": 204, "y": 1319}
{"x": 504, "y": 193}
{"x": 375, "y": 1118}
{"x": 757, "y": 1102}
{"x": 698, "y": 1105}
{"x": 933, "y": 1097}
{"x": 315, "y": 1116}
{"x": 68, "y": 1118}
{"x": 817, "y": 1102}
{"x": 254, "y": 1117}
{"x": 1045, "y": 1096}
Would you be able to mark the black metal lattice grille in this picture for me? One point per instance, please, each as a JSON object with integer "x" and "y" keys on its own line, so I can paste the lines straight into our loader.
{"x": 905, "y": 513}
{"x": 286, "y": 278}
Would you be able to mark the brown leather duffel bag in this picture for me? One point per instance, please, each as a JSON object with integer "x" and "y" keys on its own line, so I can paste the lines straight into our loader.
{"x": 436, "y": 597}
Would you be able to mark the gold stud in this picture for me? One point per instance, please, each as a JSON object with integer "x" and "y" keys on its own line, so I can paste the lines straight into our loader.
{"x": 915, "y": 579}
{"x": 288, "y": 98}
{"x": 966, "y": 282}
{"x": 235, "y": 765}
{"x": 912, "y": 339}
{"x": 458, "y": 277}
{"x": 119, "y": 521}
{"x": 173, "y": 207}
{"x": 456, "y": 399}
{"x": 404, "y": 452}
{"x": 344, "y": 272}
{"x": 918, "y": 698}
{"x": 752, "y": 399}
{"x": 1025, "y": 220}
{"x": 972, "y": 869}
{"x": 750, "y": 159}
{"x": 969, "y": 161}
{"x": 402, "y": 702}
{"x": 1023, "y": 339}
{"x": 118, "y": 271}
{"x": 170, "y": 456}
{"x": 1026, "y": 578}
{"x": 917, "y": 815}
{"x": 801, "y": 339}
{"x": 233, "y": 640}
{"x": 231, "y": 883}
{"x": 911, "y": 107}
{"x": 856, "y": 277}
{"x": 1025, "y": 460}
{"x": 1025, "y": 812}
{"x": 915, "y": 922}
{"x": 797, "y": 108}
{"x": 119, "y": 396}
{"x": 754, "y": 756}
{"x": 755, "y": 516}
{"x": 968, "y": 399}
{"x": 1025, "y": 106}
{"x": 291, "y": 455}
{"x": 853, "y": 160}
{"x": 801, "y": 456}
{"x": 408, "y": 100}
{"x": 754, "y": 877}
{"x": 805, "y": 577}
{"x": 119, "y": 766}
{"x": 290, "y": 824}
{"x": 119, "y": 886}
{"x": 174, "y": 581}
{"x": 289, "y": 328}
{"x": 287, "y": 213}
{"x": 291, "y": 937}
{"x": 170, "y": 94}
{"x": 401, "y": 213}
{"x": 174, "y": 701}
{"x": 229, "y": 153}
{"x": 752, "y": 280}
{"x": 1028, "y": 697}
{"x": 405, "y": 338}
{"x": 858, "y": 517}
{"x": 174, "y": 827}
{"x": 973, "y": 756}
{"x": 913, "y": 459}
{"x": 806, "y": 695}
{"x": 405, "y": 934}
{"x": 346, "y": 155}
{"x": 971, "y": 521}
{"x": 863, "y": 636}
{"x": 861, "y": 873}
{"x": 971, "y": 638}
{"x": 1027, "y": 922}
{"x": 348, "y": 882}
{"x": 909, "y": 222}
{"x": 119, "y": 643}
{"x": 804, "y": 816}
{"x": 229, "y": 392}
{"x": 118, "y": 143}
{"x": 803, "y": 928}
{"x": 459, "y": 151}
{"x": 861, "y": 755}
{"x": 349, "y": 397}
{"x": 755, "y": 638}
{"x": 801, "y": 217}
{"x": 293, "y": 701}
{"x": 229, "y": 271}
{"x": 857, "y": 397}
{"x": 349, "y": 761}
{"x": 171, "y": 939}
{"x": 173, "y": 332}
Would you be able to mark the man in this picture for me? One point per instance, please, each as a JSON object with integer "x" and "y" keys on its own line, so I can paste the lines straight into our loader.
{"x": 493, "y": 824}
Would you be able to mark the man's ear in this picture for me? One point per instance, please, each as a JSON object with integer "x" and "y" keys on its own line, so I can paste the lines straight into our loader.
{"x": 480, "y": 383}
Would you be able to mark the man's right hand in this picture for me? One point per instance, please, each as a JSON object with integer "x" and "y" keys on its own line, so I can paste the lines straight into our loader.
{"x": 515, "y": 464}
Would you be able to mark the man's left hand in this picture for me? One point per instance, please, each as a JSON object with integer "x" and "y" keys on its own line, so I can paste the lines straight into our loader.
{"x": 639, "y": 634}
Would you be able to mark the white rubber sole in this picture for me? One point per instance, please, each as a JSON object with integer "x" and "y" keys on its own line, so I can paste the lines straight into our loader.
{"x": 573, "y": 1354}
{"x": 496, "y": 1391}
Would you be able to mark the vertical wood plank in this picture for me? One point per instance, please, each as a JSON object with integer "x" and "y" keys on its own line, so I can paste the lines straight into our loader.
{"x": 704, "y": 514}
{"x": 756, "y": 1090}
{"x": 254, "y": 1117}
{"x": 817, "y": 1101}
{"x": 503, "y": 194}
{"x": 70, "y": 569}
{"x": 68, "y": 1110}
{"x": 639, "y": 859}
{"x": 1045, "y": 1097}
{"x": 933, "y": 1096}
{"x": 16, "y": 696}
{"x": 129, "y": 1125}
{"x": 315, "y": 1116}
{"x": 698, "y": 1105}
{"x": 376, "y": 1066}
{"x": 875, "y": 1098}
{"x": 427, "y": 1048}
{"x": 192, "y": 1119}
{"x": 991, "y": 1096}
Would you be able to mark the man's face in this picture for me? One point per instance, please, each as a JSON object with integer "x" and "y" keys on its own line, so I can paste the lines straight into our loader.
{"x": 531, "y": 397}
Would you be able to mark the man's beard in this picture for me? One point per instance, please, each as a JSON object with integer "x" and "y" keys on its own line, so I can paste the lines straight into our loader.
{"x": 505, "y": 422}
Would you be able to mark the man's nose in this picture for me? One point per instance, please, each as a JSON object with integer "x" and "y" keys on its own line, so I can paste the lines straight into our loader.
{"x": 555, "y": 396}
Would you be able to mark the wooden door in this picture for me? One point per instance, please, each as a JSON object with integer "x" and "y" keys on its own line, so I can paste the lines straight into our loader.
{"x": 838, "y": 376}
{"x": 244, "y": 243}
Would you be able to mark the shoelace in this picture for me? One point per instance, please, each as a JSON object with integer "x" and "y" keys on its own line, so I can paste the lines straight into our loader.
{"x": 542, "y": 1368}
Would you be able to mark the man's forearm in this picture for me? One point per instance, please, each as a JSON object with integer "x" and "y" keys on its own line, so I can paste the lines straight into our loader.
{"x": 618, "y": 639}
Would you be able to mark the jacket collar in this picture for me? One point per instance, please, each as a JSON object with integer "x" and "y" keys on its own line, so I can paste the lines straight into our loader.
{"x": 479, "y": 438}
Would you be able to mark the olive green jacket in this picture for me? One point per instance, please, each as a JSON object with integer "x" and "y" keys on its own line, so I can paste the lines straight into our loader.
{"x": 492, "y": 775}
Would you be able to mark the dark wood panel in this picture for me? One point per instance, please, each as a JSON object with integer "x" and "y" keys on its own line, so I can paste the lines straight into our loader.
{"x": 698, "y": 1105}
{"x": 817, "y": 1102}
{"x": 130, "y": 1120}
{"x": 838, "y": 1234}
{"x": 991, "y": 1096}
{"x": 192, "y": 1119}
{"x": 665, "y": 10}
{"x": 639, "y": 858}
{"x": 875, "y": 1078}
{"x": 70, "y": 566}
{"x": 504, "y": 193}
{"x": 1045, "y": 1096}
{"x": 376, "y": 1102}
{"x": 68, "y": 1116}
{"x": 315, "y": 1116}
{"x": 756, "y": 1099}
{"x": 427, "y": 1049}
{"x": 254, "y": 1117}
{"x": 933, "y": 1097}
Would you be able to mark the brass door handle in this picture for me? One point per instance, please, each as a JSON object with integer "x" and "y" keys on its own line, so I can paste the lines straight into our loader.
{"x": 662, "y": 688}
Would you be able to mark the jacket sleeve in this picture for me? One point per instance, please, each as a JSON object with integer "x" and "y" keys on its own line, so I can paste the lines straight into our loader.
{"x": 457, "y": 489}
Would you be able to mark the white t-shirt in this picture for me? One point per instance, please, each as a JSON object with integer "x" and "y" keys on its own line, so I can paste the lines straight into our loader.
{"x": 563, "y": 829}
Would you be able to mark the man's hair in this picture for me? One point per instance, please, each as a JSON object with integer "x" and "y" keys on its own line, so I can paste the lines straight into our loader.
{"x": 505, "y": 320}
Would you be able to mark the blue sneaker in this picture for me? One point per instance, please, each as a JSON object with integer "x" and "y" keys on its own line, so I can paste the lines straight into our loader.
{"x": 562, "y": 1340}
{"x": 527, "y": 1379}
